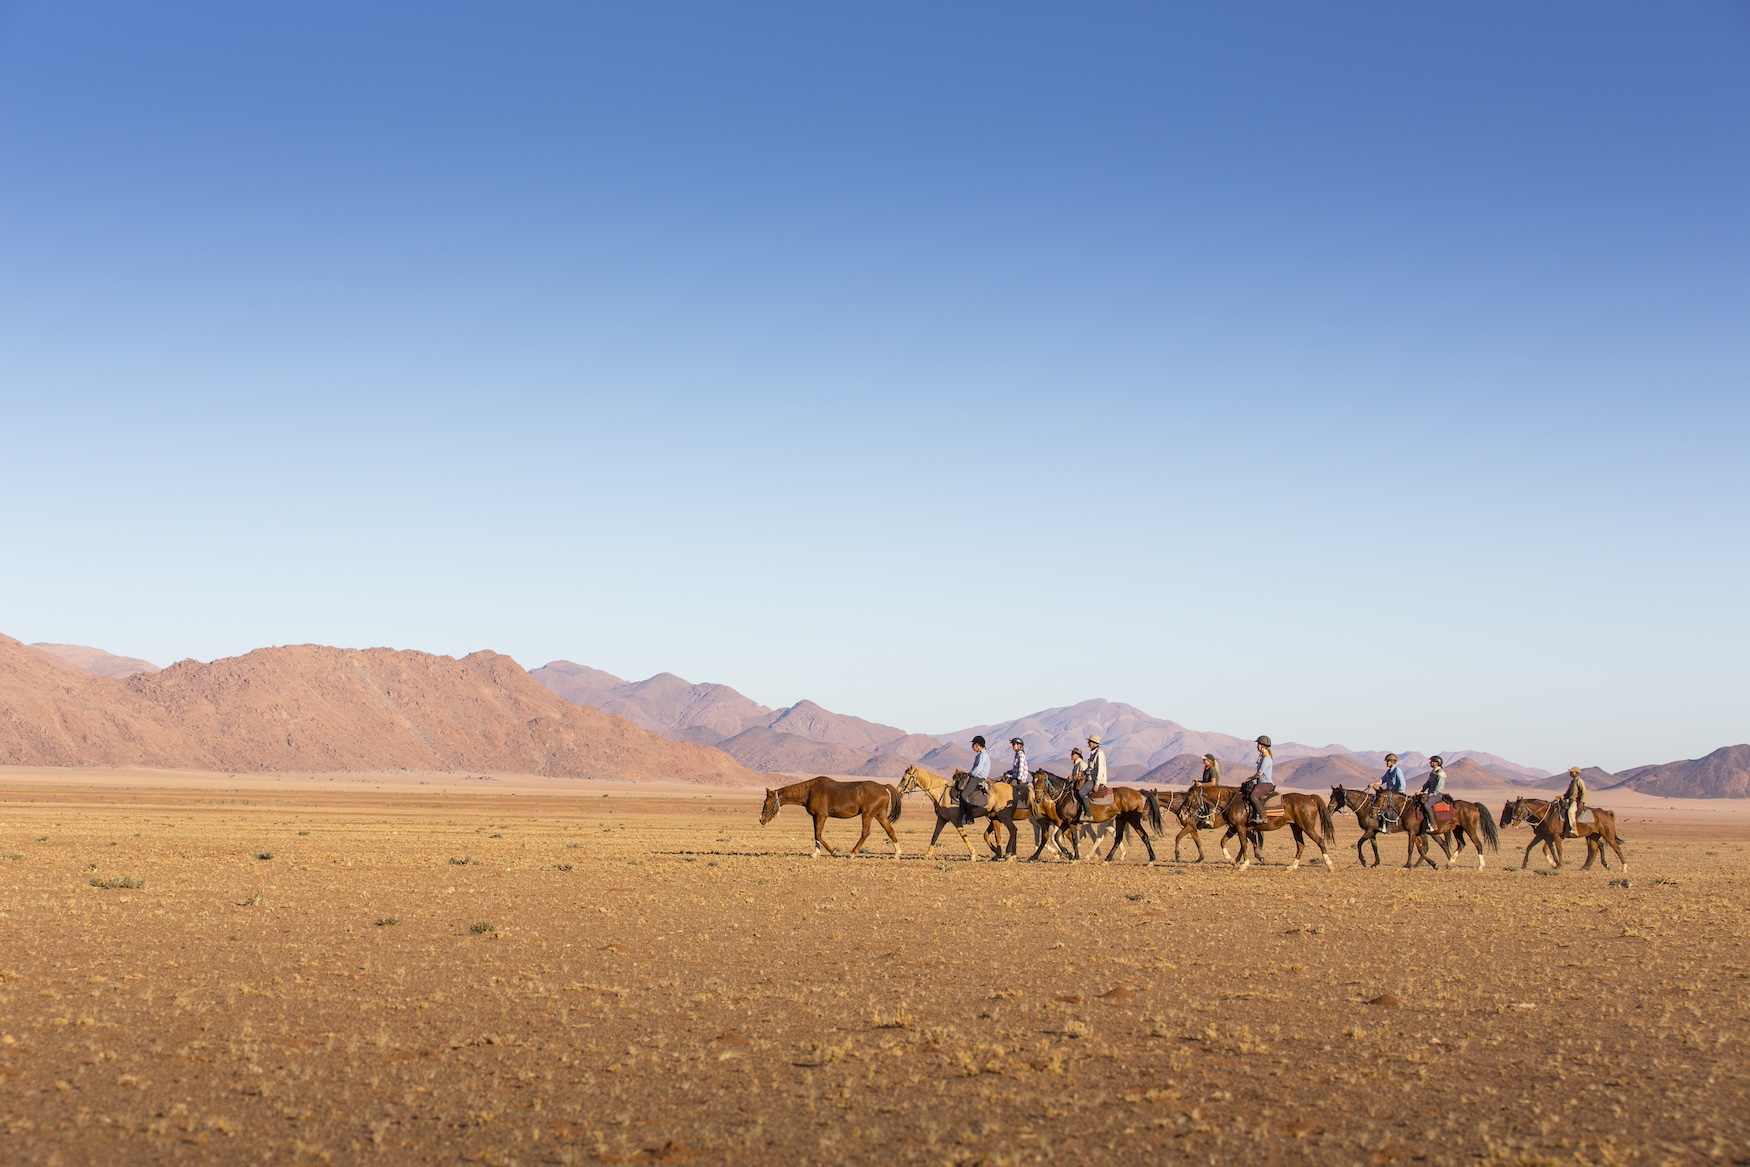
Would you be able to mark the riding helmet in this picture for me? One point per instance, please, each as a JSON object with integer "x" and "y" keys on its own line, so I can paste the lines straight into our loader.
{"x": 979, "y": 740}
{"x": 1264, "y": 740}
{"x": 1437, "y": 761}
{"x": 1015, "y": 741}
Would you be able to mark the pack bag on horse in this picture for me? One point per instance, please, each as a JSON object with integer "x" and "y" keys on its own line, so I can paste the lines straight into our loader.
{"x": 1436, "y": 814}
{"x": 824, "y": 798}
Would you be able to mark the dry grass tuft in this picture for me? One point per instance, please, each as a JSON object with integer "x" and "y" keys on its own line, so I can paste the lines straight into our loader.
{"x": 482, "y": 928}
{"x": 120, "y": 881}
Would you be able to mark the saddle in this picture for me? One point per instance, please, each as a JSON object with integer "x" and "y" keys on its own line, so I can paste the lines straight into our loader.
{"x": 1105, "y": 799}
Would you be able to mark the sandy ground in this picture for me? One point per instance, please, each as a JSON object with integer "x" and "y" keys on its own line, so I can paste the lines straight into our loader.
{"x": 518, "y": 972}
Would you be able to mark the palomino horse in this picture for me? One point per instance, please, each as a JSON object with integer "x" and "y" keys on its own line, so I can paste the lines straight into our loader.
{"x": 1545, "y": 820}
{"x": 1470, "y": 820}
{"x": 1305, "y": 815}
{"x": 1376, "y": 811}
{"x": 826, "y": 798}
{"x": 939, "y": 790}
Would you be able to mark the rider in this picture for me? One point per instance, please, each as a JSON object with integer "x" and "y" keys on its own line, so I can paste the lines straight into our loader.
{"x": 1097, "y": 765}
{"x": 1078, "y": 777}
{"x": 975, "y": 778}
{"x": 1018, "y": 773}
{"x": 1573, "y": 802}
{"x": 1258, "y": 788}
{"x": 1433, "y": 789}
{"x": 1211, "y": 771}
{"x": 1391, "y": 782}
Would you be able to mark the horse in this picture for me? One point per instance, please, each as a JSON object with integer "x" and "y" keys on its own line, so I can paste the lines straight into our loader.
{"x": 939, "y": 789}
{"x": 1545, "y": 819}
{"x": 1178, "y": 804}
{"x": 1305, "y": 815}
{"x": 1370, "y": 807}
{"x": 1054, "y": 809}
{"x": 1005, "y": 803}
{"x": 1470, "y": 820}
{"x": 1127, "y": 809}
{"x": 825, "y": 798}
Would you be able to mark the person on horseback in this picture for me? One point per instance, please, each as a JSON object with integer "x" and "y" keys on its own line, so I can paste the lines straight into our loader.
{"x": 1573, "y": 802}
{"x": 1096, "y": 765}
{"x": 1258, "y": 788}
{"x": 1211, "y": 772}
{"x": 1078, "y": 777}
{"x": 1018, "y": 773}
{"x": 1389, "y": 783}
{"x": 977, "y": 779}
{"x": 1433, "y": 789}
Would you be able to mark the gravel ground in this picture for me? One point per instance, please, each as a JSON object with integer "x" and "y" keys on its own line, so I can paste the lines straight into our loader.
{"x": 523, "y": 980}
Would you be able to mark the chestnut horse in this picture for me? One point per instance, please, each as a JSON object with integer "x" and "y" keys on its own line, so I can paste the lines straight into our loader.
{"x": 1178, "y": 804}
{"x": 1128, "y": 807}
{"x": 1305, "y": 815}
{"x": 825, "y": 798}
{"x": 1376, "y": 811}
{"x": 1545, "y": 820}
{"x": 1470, "y": 820}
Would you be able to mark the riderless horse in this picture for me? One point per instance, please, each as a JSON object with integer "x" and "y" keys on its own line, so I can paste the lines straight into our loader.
{"x": 826, "y": 798}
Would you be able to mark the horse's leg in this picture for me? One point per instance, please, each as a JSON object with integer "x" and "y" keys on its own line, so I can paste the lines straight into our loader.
{"x": 1118, "y": 840}
{"x": 819, "y": 839}
{"x": 1591, "y": 843}
{"x": 1230, "y": 834}
{"x": 868, "y": 822}
{"x": 1529, "y": 847}
{"x": 930, "y": 851}
{"x": 1299, "y": 844}
{"x": 1373, "y": 840}
{"x": 1361, "y": 856}
{"x": 1143, "y": 831}
{"x": 881, "y": 817}
{"x": 1623, "y": 863}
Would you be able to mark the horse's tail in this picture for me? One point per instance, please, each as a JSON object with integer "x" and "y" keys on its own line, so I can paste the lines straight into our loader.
{"x": 895, "y": 804}
{"x": 1153, "y": 798}
{"x": 1327, "y": 824}
{"x": 1491, "y": 834}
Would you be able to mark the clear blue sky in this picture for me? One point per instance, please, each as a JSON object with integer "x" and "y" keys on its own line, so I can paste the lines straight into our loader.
{"x": 1372, "y": 373}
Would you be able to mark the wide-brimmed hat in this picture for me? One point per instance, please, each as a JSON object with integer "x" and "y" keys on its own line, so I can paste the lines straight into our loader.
{"x": 1264, "y": 740}
{"x": 1573, "y": 769}
{"x": 1093, "y": 739}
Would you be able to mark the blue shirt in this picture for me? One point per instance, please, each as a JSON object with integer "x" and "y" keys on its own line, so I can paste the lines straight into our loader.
{"x": 1264, "y": 767}
{"x": 1393, "y": 780}
{"x": 980, "y": 766}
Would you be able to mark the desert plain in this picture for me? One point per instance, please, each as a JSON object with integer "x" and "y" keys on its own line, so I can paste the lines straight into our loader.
{"x": 447, "y": 968}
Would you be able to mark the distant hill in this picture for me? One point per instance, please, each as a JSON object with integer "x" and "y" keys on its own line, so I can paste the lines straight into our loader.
{"x": 1725, "y": 773}
{"x": 95, "y": 661}
{"x": 799, "y": 738}
{"x": 308, "y": 707}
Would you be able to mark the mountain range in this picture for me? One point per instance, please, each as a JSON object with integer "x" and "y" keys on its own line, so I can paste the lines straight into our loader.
{"x": 314, "y": 708}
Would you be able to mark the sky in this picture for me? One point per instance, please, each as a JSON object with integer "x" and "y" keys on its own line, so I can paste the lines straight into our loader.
{"x": 1363, "y": 373}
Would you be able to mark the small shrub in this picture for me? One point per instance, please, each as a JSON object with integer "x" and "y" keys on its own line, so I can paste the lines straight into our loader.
{"x": 1074, "y": 1028}
{"x": 264, "y": 854}
{"x": 303, "y": 833}
{"x": 121, "y": 881}
{"x": 42, "y": 838}
{"x": 563, "y": 866}
{"x": 495, "y": 836}
{"x": 482, "y": 928}
{"x": 15, "y": 855}
{"x": 387, "y": 921}
{"x": 462, "y": 862}
{"x": 253, "y": 899}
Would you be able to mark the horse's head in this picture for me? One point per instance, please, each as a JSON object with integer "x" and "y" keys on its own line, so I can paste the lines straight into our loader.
{"x": 1511, "y": 811}
{"x": 909, "y": 781}
{"x": 769, "y": 809}
{"x": 1339, "y": 799}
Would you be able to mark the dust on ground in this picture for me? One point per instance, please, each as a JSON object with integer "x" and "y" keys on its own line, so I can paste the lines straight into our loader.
{"x": 285, "y": 971}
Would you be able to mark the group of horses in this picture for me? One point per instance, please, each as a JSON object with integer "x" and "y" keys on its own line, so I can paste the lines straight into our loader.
{"x": 1049, "y": 804}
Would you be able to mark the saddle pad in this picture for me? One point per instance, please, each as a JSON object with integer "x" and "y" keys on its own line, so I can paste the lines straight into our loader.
{"x": 1443, "y": 812}
{"x": 1103, "y": 799}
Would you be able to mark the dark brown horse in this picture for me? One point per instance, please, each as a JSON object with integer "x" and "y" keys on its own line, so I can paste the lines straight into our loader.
{"x": 1128, "y": 808}
{"x": 826, "y": 798}
{"x": 1545, "y": 820}
{"x": 1305, "y": 815}
{"x": 1193, "y": 822}
{"x": 1054, "y": 811}
{"x": 1470, "y": 821}
{"x": 1376, "y": 811}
